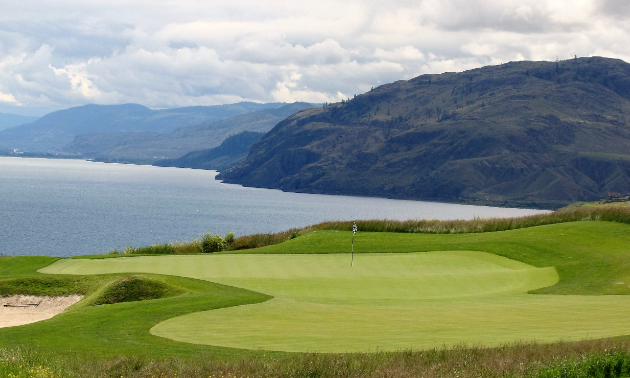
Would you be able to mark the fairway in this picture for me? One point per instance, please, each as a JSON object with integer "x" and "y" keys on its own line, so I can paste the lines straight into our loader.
{"x": 383, "y": 302}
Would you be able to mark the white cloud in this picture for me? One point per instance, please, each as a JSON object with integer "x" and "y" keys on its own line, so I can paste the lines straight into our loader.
{"x": 166, "y": 54}
{"x": 8, "y": 97}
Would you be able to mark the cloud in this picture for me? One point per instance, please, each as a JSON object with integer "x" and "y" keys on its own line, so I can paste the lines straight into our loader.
{"x": 168, "y": 54}
{"x": 8, "y": 97}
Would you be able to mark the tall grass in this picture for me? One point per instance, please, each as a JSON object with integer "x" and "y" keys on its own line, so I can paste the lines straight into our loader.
{"x": 26, "y": 363}
{"x": 262, "y": 240}
{"x": 610, "y": 214}
{"x": 606, "y": 358}
{"x": 434, "y": 226}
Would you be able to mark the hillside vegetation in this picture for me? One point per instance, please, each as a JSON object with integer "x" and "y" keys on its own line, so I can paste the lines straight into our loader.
{"x": 537, "y": 134}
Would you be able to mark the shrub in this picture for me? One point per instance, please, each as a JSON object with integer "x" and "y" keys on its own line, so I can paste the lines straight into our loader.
{"x": 229, "y": 238}
{"x": 212, "y": 243}
{"x": 295, "y": 232}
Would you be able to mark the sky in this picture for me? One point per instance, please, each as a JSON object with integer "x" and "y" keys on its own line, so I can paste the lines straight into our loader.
{"x": 57, "y": 54}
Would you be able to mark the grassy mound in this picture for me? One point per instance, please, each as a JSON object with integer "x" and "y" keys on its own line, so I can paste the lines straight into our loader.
{"x": 131, "y": 289}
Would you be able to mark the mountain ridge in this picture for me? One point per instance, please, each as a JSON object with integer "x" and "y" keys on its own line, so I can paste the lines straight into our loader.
{"x": 57, "y": 129}
{"x": 231, "y": 151}
{"x": 149, "y": 146}
{"x": 540, "y": 134}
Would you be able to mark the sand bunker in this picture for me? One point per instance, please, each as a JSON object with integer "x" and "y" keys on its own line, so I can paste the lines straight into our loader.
{"x": 24, "y": 309}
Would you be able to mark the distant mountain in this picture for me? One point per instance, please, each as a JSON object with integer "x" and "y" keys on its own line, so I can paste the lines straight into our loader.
{"x": 233, "y": 150}
{"x": 146, "y": 146}
{"x": 11, "y": 120}
{"x": 57, "y": 129}
{"x": 539, "y": 134}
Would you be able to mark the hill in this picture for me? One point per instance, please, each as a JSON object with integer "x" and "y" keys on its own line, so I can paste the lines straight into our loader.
{"x": 11, "y": 120}
{"x": 57, "y": 129}
{"x": 149, "y": 146}
{"x": 233, "y": 149}
{"x": 541, "y": 134}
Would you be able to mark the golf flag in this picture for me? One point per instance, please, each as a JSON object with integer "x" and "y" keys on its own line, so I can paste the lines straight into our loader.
{"x": 354, "y": 231}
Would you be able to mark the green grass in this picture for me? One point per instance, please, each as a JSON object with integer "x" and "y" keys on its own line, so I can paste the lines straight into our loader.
{"x": 111, "y": 330}
{"x": 398, "y": 301}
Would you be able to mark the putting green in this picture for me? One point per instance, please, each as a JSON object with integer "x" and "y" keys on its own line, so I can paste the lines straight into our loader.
{"x": 383, "y": 302}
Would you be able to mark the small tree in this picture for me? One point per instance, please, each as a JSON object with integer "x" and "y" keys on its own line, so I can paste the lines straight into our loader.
{"x": 229, "y": 238}
{"x": 212, "y": 243}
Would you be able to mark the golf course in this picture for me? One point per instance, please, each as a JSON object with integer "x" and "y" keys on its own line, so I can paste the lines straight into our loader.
{"x": 560, "y": 282}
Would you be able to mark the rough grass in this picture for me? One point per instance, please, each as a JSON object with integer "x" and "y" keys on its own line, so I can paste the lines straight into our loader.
{"x": 607, "y": 358}
{"x": 610, "y": 213}
{"x": 47, "y": 286}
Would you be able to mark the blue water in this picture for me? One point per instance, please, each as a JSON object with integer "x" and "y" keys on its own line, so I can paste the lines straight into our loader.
{"x": 74, "y": 207}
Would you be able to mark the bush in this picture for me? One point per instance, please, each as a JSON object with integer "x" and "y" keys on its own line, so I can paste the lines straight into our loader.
{"x": 295, "y": 232}
{"x": 229, "y": 238}
{"x": 612, "y": 364}
{"x": 212, "y": 243}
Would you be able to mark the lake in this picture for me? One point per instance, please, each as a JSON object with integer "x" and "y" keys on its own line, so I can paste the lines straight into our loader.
{"x": 75, "y": 207}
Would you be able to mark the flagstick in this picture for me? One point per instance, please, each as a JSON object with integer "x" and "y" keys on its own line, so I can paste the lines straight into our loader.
{"x": 354, "y": 231}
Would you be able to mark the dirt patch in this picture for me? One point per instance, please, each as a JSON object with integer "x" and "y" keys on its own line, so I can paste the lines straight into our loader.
{"x": 24, "y": 309}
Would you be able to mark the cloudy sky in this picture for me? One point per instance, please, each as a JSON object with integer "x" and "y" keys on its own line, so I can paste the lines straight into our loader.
{"x": 165, "y": 53}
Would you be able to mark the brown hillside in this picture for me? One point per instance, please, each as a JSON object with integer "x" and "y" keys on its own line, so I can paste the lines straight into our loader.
{"x": 522, "y": 134}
